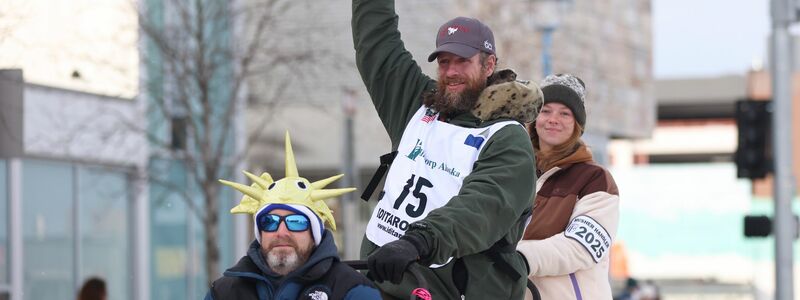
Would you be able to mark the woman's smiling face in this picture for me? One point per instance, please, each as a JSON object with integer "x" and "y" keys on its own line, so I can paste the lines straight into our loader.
{"x": 554, "y": 125}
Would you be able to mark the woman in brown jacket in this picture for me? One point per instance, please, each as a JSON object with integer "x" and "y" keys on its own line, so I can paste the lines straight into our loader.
{"x": 576, "y": 208}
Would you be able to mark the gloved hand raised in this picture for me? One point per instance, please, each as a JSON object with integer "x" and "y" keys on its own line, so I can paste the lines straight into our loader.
{"x": 391, "y": 261}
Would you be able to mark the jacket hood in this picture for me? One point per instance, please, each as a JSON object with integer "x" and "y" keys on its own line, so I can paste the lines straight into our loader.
{"x": 507, "y": 97}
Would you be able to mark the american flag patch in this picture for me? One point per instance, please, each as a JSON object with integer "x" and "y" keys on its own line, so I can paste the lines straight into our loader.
{"x": 429, "y": 116}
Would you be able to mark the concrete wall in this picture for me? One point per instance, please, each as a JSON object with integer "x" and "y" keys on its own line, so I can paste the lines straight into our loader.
{"x": 73, "y": 125}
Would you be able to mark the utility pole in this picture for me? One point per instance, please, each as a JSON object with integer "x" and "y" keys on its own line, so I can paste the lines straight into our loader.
{"x": 783, "y": 14}
{"x": 349, "y": 206}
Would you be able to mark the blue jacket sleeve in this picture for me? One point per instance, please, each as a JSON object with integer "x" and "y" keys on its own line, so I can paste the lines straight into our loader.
{"x": 363, "y": 292}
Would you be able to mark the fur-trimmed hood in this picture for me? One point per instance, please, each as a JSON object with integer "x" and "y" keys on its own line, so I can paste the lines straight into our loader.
{"x": 507, "y": 97}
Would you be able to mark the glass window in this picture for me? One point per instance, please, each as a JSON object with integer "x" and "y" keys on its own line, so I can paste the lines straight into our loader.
{"x": 4, "y": 246}
{"x": 224, "y": 239}
{"x": 104, "y": 233}
{"x": 177, "y": 235}
{"x": 168, "y": 232}
{"x": 47, "y": 193}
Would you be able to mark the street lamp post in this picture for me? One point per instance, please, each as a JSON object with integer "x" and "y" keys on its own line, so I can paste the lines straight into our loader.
{"x": 547, "y": 42}
{"x": 546, "y": 21}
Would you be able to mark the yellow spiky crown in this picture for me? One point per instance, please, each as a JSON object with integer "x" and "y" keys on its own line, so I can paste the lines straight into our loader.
{"x": 292, "y": 189}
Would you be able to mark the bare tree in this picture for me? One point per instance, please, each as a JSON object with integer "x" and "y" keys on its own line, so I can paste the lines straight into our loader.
{"x": 199, "y": 54}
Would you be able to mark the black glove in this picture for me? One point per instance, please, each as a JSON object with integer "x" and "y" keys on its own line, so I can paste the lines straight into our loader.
{"x": 391, "y": 261}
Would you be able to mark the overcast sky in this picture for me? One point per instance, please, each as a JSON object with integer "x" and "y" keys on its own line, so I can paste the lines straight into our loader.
{"x": 702, "y": 38}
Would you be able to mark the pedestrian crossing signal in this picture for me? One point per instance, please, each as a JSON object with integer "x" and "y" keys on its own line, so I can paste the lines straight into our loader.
{"x": 757, "y": 226}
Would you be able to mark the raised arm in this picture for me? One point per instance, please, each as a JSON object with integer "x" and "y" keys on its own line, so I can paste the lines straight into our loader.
{"x": 393, "y": 79}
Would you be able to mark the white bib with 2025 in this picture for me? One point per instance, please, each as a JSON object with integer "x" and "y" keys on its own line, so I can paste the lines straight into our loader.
{"x": 432, "y": 161}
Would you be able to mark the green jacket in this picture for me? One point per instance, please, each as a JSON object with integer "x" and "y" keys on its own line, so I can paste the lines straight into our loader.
{"x": 494, "y": 198}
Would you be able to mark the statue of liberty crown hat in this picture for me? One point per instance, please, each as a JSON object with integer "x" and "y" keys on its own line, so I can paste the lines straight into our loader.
{"x": 293, "y": 193}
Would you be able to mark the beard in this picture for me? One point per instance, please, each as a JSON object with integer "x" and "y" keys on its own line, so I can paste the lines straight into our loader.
{"x": 454, "y": 103}
{"x": 285, "y": 259}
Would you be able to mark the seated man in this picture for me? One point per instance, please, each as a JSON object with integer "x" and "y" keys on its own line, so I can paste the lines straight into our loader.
{"x": 294, "y": 255}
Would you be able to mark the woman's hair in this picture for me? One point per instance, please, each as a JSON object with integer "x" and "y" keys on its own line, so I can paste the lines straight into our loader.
{"x": 547, "y": 159}
{"x": 93, "y": 289}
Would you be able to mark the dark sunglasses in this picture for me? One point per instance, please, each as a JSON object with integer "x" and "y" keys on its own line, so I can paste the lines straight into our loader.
{"x": 294, "y": 222}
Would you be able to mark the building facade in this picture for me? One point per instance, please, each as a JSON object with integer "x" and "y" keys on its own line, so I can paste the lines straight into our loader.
{"x": 69, "y": 182}
{"x": 682, "y": 203}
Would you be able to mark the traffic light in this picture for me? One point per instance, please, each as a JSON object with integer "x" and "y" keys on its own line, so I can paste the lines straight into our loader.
{"x": 754, "y": 152}
{"x": 757, "y": 226}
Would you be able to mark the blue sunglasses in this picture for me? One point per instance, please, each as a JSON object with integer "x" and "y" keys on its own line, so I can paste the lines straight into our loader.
{"x": 294, "y": 222}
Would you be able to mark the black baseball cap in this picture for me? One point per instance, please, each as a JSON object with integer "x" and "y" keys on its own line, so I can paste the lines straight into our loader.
{"x": 464, "y": 37}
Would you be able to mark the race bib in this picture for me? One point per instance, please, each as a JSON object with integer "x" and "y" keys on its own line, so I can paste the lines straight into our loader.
{"x": 432, "y": 161}
{"x": 591, "y": 235}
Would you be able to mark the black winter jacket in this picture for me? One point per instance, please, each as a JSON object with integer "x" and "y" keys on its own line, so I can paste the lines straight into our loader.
{"x": 323, "y": 273}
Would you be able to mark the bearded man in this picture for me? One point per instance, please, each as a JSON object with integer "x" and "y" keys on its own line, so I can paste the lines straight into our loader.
{"x": 458, "y": 193}
{"x": 294, "y": 255}
{"x": 290, "y": 259}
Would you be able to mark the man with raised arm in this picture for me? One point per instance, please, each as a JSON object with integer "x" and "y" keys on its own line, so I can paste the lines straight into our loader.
{"x": 458, "y": 193}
